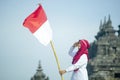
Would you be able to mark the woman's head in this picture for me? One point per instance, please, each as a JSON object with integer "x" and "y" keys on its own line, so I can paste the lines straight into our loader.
{"x": 84, "y": 43}
{"x": 83, "y": 46}
{"x": 81, "y": 43}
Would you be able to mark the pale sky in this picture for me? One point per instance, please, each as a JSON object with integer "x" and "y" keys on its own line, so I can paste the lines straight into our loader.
{"x": 70, "y": 21}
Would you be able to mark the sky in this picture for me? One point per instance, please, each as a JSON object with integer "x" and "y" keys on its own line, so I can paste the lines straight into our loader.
{"x": 70, "y": 21}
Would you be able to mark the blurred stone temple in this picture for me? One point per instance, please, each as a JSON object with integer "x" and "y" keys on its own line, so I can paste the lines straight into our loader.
{"x": 104, "y": 53}
{"x": 39, "y": 75}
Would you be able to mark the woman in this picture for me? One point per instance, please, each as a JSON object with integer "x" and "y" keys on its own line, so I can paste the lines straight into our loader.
{"x": 80, "y": 59}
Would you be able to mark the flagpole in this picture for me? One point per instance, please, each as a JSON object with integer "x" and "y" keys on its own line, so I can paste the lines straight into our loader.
{"x": 56, "y": 57}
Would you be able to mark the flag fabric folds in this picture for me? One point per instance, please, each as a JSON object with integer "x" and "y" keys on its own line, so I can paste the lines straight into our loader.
{"x": 38, "y": 24}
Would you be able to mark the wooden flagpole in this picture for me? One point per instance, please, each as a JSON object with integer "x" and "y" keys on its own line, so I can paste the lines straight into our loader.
{"x": 56, "y": 57}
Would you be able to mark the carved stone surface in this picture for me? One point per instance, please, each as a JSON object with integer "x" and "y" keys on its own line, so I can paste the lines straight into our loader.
{"x": 39, "y": 75}
{"x": 104, "y": 53}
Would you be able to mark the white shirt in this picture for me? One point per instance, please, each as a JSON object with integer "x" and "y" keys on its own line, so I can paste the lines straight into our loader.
{"x": 81, "y": 74}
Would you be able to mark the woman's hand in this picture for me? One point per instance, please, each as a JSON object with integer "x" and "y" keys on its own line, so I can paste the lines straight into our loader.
{"x": 62, "y": 72}
{"x": 75, "y": 44}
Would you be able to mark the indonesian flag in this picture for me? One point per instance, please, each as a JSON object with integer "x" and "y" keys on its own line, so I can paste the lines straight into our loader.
{"x": 38, "y": 24}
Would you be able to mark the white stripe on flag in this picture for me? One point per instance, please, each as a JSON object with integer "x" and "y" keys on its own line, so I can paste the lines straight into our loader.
{"x": 44, "y": 33}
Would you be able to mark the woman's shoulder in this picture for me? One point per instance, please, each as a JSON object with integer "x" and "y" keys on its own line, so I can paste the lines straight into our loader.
{"x": 83, "y": 57}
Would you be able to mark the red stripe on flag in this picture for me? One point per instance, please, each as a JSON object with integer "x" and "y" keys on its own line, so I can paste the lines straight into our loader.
{"x": 34, "y": 21}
